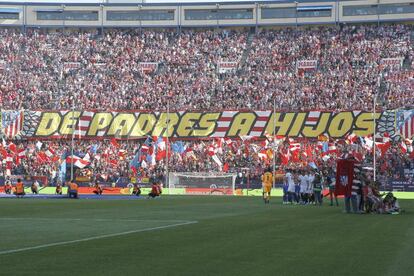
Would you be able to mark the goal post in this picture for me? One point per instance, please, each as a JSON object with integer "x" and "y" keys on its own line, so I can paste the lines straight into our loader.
{"x": 201, "y": 183}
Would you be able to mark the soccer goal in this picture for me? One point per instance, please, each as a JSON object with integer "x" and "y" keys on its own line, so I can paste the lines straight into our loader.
{"x": 197, "y": 183}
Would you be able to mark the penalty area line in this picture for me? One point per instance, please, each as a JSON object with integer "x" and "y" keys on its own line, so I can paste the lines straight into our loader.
{"x": 95, "y": 238}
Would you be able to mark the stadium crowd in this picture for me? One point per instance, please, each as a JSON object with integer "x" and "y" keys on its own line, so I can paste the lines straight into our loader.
{"x": 57, "y": 70}
{"x": 107, "y": 160}
{"x": 108, "y": 74}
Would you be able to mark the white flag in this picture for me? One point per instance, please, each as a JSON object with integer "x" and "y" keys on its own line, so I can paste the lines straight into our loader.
{"x": 217, "y": 160}
{"x": 39, "y": 145}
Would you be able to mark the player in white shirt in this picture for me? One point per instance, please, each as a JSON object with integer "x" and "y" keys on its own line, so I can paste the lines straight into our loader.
{"x": 291, "y": 186}
{"x": 303, "y": 180}
{"x": 311, "y": 177}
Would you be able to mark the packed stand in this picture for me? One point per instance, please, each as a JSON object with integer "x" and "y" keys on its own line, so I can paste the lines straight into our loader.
{"x": 349, "y": 65}
{"x": 109, "y": 76}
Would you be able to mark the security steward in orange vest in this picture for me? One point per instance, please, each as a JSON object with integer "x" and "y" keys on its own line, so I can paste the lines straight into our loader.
{"x": 73, "y": 190}
{"x": 19, "y": 188}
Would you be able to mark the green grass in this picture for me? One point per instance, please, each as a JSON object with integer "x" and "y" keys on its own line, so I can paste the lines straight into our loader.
{"x": 232, "y": 236}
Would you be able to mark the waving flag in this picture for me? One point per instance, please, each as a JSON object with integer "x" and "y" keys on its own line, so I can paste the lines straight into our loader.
{"x": 351, "y": 138}
{"x": 228, "y": 141}
{"x": 405, "y": 123}
{"x": 368, "y": 142}
{"x": 12, "y": 147}
{"x": 189, "y": 152}
{"x": 136, "y": 161}
{"x": 21, "y": 153}
{"x": 147, "y": 145}
{"x": 284, "y": 157}
{"x": 211, "y": 150}
{"x": 82, "y": 163}
{"x": 41, "y": 157}
{"x": 50, "y": 153}
{"x": 293, "y": 147}
{"x": 114, "y": 143}
{"x": 94, "y": 148}
{"x": 178, "y": 147}
{"x": 3, "y": 153}
{"x": 62, "y": 171}
{"x": 79, "y": 162}
{"x": 218, "y": 161}
{"x": 383, "y": 147}
{"x": 122, "y": 154}
{"x": 332, "y": 148}
{"x": 313, "y": 165}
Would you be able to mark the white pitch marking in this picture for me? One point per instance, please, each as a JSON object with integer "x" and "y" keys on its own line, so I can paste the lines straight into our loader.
{"x": 94, "y": 238}
{"x": 94, "y": 219}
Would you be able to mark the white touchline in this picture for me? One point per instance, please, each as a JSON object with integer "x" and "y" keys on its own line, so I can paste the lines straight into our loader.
{"x": 93, "y": 219}
{"x": 95, "y": 237}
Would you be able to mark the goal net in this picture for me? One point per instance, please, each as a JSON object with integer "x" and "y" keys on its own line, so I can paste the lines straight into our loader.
{"x": 201, "y": 183}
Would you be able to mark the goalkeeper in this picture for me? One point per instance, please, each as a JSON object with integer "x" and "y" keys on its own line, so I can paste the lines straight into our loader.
{"x": 267, "y": 181}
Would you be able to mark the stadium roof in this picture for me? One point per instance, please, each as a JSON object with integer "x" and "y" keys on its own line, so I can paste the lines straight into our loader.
{"x": 126, "y": 1}
{"x": 149, "y": 1}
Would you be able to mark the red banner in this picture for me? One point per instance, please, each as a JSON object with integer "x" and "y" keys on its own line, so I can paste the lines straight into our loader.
{"x": 344, "y": 177}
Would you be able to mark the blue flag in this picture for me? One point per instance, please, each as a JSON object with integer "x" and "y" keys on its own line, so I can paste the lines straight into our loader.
{"x": 325, "y": 147}
{"x": 148, "y": 141}
{"x": 313, "y": 165}
{"x": 94, "y": 148}
{"x": 62, "y": 171}
{"x": 135, "y": 163}
{"x": 178, "y": 147}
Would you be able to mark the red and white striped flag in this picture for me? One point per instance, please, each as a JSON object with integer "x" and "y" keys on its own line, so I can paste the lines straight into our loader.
{"x": 145, "y": 148}
{"x": 332, "y": 148}
{"x": 228, "y": 141}
{"x": 294, "y": 147}
{"x": 122, "y": 153}
{"x": 50, "y": 152}
{"x": 21, "y": 154}
{"x": 351, "y": 138}
{"x": 82, "y": 163}
{"x": 405, "y": 122}
{"x": 211, "y": 150}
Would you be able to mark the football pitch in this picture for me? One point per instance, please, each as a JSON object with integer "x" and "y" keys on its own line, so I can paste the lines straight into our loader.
{"x": 200, "y": 235}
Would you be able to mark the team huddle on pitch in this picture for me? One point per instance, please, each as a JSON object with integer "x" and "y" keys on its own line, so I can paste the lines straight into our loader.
{"x": 309, "y": 186}
{"x": 302, "y": 186}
